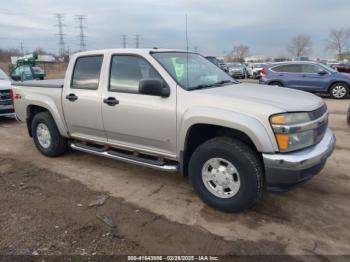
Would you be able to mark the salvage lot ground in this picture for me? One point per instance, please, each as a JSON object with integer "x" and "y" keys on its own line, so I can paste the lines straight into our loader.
{"x": 44, "y": 206}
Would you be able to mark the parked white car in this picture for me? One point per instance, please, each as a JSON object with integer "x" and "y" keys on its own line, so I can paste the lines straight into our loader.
{"x": 6, "y": 105}
{"x": 254, "y": 69}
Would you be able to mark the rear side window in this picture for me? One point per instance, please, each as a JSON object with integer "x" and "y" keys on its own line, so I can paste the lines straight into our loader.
{"x": 287, "y": 68}
{"x": 127, "y": 71}
{"x": 86, "y": 74}
{"x": 311, "y": 69}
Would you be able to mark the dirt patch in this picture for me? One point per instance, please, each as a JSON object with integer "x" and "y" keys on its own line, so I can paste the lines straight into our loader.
{"x": 47, "y": 214}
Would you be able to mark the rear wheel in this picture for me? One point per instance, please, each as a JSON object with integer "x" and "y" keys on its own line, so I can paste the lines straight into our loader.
{"x": 46, "y": 136}
{"x": 226, "y": 174}
{"x": 276, "y": 83}
{"x": 339, "y": 91}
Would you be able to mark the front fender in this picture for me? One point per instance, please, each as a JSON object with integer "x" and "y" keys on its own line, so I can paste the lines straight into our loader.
{"x": 261, "y": 135}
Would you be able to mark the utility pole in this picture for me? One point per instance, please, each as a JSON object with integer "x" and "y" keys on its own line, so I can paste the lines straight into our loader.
{"x": 137, "y": 41}
{"x": 60, "y": 34}
{"x": 21, "y": 47}
{"x": 124, "y": 41}
{"x": 82, "y": 35}
{"x": 195, "y": 48}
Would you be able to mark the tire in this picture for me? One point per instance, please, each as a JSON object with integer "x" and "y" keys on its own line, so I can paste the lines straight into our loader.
{"x": 276, "y": 84}
{"x": 43, "y": 126}
{"x": 339, "y": 91}
{"x": 249, "y": 173}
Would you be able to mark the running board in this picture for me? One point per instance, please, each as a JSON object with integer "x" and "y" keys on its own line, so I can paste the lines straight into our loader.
{"x": 133, "y": 158}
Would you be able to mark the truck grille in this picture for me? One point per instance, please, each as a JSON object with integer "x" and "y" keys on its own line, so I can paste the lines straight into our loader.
{"x": 6, "y": 111}
{"x": 322, "y": 128}
{"x": 5, "y": 98}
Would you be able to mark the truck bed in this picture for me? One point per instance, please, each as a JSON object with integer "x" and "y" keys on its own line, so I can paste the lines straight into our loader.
{"x": 53, "y": 83}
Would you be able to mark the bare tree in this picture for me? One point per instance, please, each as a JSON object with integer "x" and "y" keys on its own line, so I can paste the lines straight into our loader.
{"x": 338, "y": 40}
{"x": 300, "y": 45}
{"x": 240, "y": 52}
{"x": 5, "y": 54}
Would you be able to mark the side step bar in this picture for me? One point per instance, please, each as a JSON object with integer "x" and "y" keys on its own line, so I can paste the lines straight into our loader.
{"x": 134, "y": 159}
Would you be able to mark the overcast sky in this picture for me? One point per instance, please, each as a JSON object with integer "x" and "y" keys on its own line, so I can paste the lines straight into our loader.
{"x": 215, "y": 26}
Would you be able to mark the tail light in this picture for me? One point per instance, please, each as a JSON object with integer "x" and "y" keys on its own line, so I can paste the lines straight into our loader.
{"x": 263, "y": 72}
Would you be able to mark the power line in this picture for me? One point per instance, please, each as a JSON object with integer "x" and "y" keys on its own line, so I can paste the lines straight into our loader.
{"x": 60, "y": 34}
{"x": 82, "y": 35}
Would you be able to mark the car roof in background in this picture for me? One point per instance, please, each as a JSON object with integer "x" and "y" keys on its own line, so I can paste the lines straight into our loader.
{"x": 292, "y": 63}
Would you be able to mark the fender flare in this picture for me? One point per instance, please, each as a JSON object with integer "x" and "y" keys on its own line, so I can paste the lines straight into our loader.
{"x": 48, "y": 104}
{"x": 262, "y": 137}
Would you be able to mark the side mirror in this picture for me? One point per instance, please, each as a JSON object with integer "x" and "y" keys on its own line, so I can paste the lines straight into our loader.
{"x": 154, "y": 87}
{"x": 322, "y": 72}
{"x": 15, "y": 77}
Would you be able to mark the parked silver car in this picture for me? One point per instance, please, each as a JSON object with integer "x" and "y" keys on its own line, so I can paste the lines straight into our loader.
{"x": 6, "y": 105}
{"x": 237, "y": 70}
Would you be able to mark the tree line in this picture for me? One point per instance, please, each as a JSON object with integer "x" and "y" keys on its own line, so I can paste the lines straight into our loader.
{"x": 5, "y": 54}
{"x": 338, "y": 42}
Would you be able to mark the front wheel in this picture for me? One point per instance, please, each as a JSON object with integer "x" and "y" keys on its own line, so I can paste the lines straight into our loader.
{"x": 339, "y": 91}
{"x": 46, "y": 136}
{"x": 226, "y": 174}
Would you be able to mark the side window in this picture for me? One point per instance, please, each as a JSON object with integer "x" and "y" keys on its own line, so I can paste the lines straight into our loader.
{"x": 287, "y": 68}
{"x": 27, "y": 73}
{"x": 127, "y": 71}
{"x": 17, "y": 71}
{"x": 86, "y": 74}
{"x": 311, "y": 69}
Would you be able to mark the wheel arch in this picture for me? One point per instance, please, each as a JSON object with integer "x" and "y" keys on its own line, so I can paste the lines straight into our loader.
{"x": 246, "y": 129}
{"x": 33, "y": 109}
{"x": 276, "y": 81}
{"x": 337, "y": 82}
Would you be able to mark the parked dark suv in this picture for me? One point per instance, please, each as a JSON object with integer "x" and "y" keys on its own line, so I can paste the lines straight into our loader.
{"x": 307, "y": 76}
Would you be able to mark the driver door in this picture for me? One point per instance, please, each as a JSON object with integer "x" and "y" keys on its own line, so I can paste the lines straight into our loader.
{"x": 143, "y": 122}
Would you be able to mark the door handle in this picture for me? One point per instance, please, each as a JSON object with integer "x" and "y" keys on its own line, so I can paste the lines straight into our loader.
{"x": 111, "y": 101}
{"x": 71, "y": 97}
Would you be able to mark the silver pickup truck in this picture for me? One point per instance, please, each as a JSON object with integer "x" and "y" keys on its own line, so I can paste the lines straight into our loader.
{"x": 176, "y": 111}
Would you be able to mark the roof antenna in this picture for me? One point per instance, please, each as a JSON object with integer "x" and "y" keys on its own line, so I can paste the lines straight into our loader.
{"x": 187, "y": 47}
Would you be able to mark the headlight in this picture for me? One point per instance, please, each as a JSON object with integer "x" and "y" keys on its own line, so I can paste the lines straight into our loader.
{"x": 295, "y": 131}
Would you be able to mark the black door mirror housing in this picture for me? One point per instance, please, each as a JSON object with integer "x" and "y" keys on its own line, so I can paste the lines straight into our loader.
{"x": 154, "y": 87}
{"x": 322, "y": 72}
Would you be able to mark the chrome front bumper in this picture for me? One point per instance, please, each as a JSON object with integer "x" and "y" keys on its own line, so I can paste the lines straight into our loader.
{"x": 285, "y": 171}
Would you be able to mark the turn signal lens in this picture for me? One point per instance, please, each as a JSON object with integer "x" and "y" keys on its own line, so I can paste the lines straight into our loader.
{"x": 283, "y": 141}
{"x": 278, "y": 120}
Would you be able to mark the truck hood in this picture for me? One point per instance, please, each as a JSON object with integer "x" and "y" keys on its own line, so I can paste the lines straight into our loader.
{"x": 5, "y": 84}
{"x": 281, "y": 98}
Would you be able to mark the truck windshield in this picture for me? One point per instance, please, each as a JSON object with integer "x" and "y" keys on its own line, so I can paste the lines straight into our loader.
{"x": 192, "y": 71}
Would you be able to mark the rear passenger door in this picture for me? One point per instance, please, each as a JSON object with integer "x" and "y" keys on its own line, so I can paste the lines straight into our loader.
{"x": 81, "y": 99}
{"x": 138, "y": 121}
{"x": 289, "y": 74}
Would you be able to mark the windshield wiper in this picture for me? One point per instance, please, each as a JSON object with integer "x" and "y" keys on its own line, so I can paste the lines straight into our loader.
{"x": 212, "y": 85}
{"x": 223, "y": 82}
